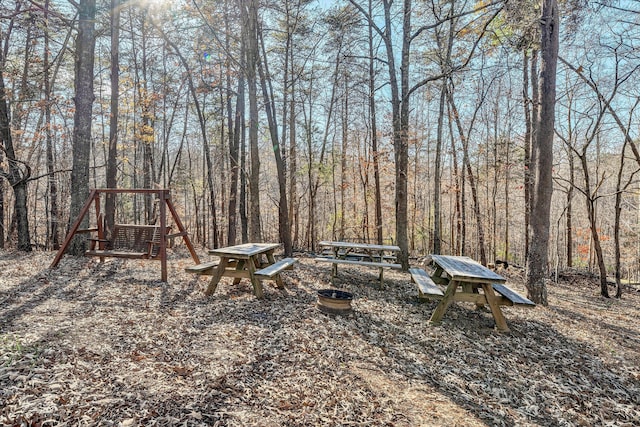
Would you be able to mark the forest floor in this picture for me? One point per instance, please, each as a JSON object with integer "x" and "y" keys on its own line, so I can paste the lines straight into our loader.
{"x": 110, "y": 344}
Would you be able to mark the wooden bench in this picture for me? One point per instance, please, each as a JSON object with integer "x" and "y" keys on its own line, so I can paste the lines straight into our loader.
{"x": 512, "y": 296}
{"x": 271, "y": 270}
{"x": 129, "y": 241}
{"x": 426, "y": 286}
{"x": 203, "y": 269}
{"x": 365, "y": 263}
{"x": 380, "y": 265}
{"x": 208, "y": 268}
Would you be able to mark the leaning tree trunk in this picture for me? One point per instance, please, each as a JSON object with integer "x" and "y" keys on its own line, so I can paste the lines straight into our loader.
{"x": 284, "y": 228}
{"x": 537, "y": 263}
{"x": 466, "y": 164}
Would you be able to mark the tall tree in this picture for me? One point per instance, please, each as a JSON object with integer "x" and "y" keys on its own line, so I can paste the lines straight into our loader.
{"x": 193, "y": 89}
{"x": 537, "y": 262}
{"x": 374, "y": 132}
{"x": 54, "y": 214}
{"x": 112, "y": 153}
{"x": 17, "y": 172}
{"x": 284, "y": 225}
{"x": 620, "y": 76}
{"x": 401, "y": 90}
{"x": 233, "y": 124}
{"x": 82, "y": 120}
{"x": 249, "y": 14}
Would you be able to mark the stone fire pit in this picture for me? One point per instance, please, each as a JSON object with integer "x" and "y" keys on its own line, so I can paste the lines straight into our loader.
{"x": 334, "y": 301}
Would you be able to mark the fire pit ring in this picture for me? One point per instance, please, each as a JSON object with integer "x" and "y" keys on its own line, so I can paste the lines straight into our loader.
{"x": 334, "y": 301}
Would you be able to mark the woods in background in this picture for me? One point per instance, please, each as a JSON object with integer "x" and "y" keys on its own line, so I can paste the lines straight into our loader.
{"x": 429, "y": 124}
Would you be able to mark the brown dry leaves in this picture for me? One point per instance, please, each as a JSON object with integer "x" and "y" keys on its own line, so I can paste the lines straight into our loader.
{"x": 109, "y": 344}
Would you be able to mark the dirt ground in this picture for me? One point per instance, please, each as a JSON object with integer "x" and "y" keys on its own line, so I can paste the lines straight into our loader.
{"x": 111, "y": 345}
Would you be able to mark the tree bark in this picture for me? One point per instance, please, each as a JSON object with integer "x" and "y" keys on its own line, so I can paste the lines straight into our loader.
{"x": 284, "y": 227}
{"x": 250, "y": 18}
{"x": 112, "y": 153}
{"x": 84, "y": 97}
{"x": 52, "y": 185}
{"x": 205, "y": 141}
{"x": 466, "y": 164}
{"x": 537, "y": 262}
{"x": 374, "y": 134}
{"x": 437, "y": 173}
{"x": 234, "y": 145}
{"x": 17, "y": 172}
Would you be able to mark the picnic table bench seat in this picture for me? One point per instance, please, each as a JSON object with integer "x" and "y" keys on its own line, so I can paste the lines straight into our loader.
{"x": 275, "y": 268}
{"x": 203, "y": 269}
{"x": 355, "y": 256}
{"x": 426, "y": 286}
{"x": 511, "y": 295}
{"x": 356, "y": 262}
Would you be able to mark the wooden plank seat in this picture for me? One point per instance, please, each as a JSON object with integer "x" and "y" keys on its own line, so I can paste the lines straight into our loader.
{"x": 365, "y": 263}
{"x": 132, "y": 241}
{"x": 357, "y": 256}
{"x": 203, "y": 269}
{"x": 512, "y": 296}
{"x": 271, "y": 270}
{"x": 426, "y": 286}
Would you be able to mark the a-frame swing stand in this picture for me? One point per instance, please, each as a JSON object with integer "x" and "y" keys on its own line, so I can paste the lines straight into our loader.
{"x": 137, "y": 236}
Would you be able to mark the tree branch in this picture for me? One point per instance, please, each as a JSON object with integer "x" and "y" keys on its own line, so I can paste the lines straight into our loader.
{"x": 458, "y": 67}
{"x": 459, "y": 15}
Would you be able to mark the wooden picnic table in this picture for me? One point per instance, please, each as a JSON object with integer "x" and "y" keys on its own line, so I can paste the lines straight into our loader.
{"x": 464, "y": 278}
{"x": 365, "y": 254}
{"x": 254, "y": 261}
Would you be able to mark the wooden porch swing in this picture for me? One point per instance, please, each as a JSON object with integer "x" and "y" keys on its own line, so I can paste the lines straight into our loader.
{"x": 132, "y": 241}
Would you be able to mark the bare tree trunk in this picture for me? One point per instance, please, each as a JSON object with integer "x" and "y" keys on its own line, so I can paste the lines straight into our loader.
{"x": 542, "y": 153}
{"x": 569, "y": 223}
{"x": 18, "y": 172}
{"x": 284, "y": 227}
{"x": 593, "y": 225}
{"x": 54, "y": 219}
{"x": 437, "y": 184}
{"x": 472, "y": 183}
{"x": 526, "y": 101}
{"x": 401, "y": 142}
{"x": 343, "y": 160}
{"x": 112, "y": 154}
{"x": 458, "y": 179}
{"x": 146, "y": 131}
{"x": 374, "y": 134}
{"x": 84, "y": 97}
{"x": 242, "y": 206}
{"x": 234, "y": 146}
{"x": 2, "y": 219}
{"x": 507, "y": 211}
{"x": 203, "y": 129}
{"x": 294, "y": 211}
{"x": 437, "y": 174}
{"x": 314, "y": 180}
{"x": 250, "y": 18}
{"x": 616, "y": 228}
